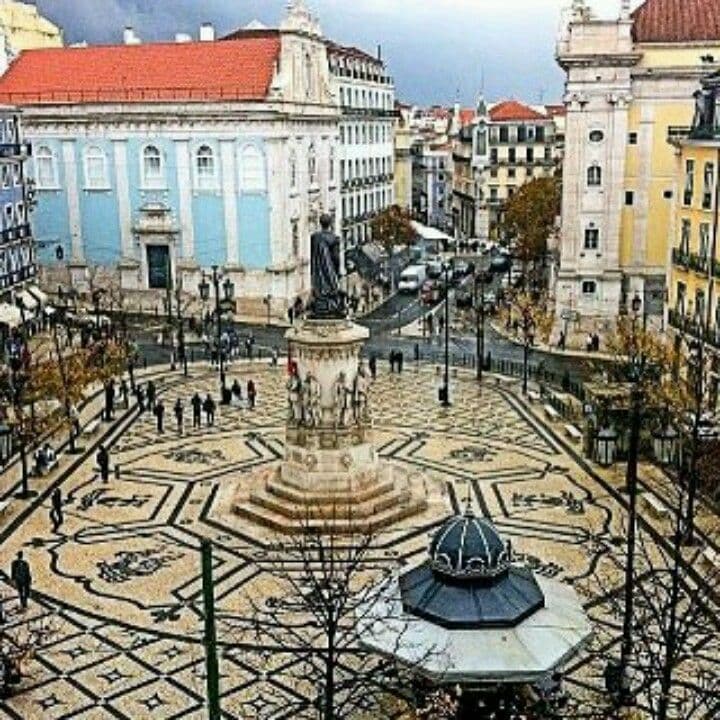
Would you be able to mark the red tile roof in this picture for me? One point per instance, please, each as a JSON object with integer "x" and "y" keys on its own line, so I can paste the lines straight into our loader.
{"x": 673, "y": 21}
{"x": 159, "y": 72}
{"x": 467, "y": 115}
{"x": 513, "y": 110}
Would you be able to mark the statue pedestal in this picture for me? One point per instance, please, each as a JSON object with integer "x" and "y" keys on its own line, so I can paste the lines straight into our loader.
{"x": 331, "y": 478}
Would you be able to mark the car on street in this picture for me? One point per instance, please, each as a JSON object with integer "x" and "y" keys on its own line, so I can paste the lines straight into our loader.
{"x": 432, "y": 292}
{"x": 464, "y": 298}
{"x": 412, "y": 278}
{"x": 500, "y": 264}
{"x": 460, "y": 269}
{"x": 434, "y": 268}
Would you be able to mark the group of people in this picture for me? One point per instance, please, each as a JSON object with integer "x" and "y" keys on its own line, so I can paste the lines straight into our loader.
{"x": 396, "y": 361}
{"x": 44, "y": 457}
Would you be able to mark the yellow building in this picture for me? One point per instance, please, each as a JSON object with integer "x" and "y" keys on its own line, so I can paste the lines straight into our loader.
{"x": 694, "y": 272}
{"x": 629, "y": 85}
{"x": 25, "y": 29}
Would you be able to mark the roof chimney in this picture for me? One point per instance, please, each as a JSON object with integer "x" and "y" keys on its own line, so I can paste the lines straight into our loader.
{"x": 129, "y": 36}
{"x": 183, "y": 38}
{"x": 379, "y": 52}
{"x": 207, "y": 32}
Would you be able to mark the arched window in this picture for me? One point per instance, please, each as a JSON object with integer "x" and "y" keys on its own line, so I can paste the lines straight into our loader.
{"x": 293, "y": 169}
{"x": 312, "y": 165}
{"x": 252, "y": 170}
{"x": 594, "y": 176}
{"x": 96, "y": 175}
{"x": 46, "y": 167}
{"x": 152, "y": 167}
{"x": 205, "y": 167}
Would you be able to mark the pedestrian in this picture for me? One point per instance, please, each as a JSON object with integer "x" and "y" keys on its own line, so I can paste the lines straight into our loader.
{"x": 441, "y": 324}
{"x": 400, "y": 359}
{"x": 416, "y": 351}
{"x": 140, "y": 395}
{"x": 236, "y": 390}
{"x": 196, "y": 403}
{"x": 561, "y": 341}
{"x": 274, "y": 356}
{"x": 151, "y": 395}
{"x": 596, "y": 342}
{"x": 56, "y": 513}
{"x": 125, "y": 393}
{"x": 372, "y": 364}
{"x": 430, "y": 326}
{"x": 392, "y": 361}
{"x": 22, "y": 578}
{"x": 160, "y": 415}
{"x": 109, "y": 399}
{"x": 589, "y": 343}
{"x": 179, "y": 415}
{"x": 251, "y": 393}
{"x": 103, "y": 461}
{"x": 291, "y": 314}
{"x": 209, "y": 408}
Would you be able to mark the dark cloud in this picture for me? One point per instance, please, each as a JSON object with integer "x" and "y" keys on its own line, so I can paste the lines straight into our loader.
{"x": 436, "y": 49}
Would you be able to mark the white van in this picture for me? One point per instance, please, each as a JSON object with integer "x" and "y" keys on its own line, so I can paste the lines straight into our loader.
{"x": 412, "y": 278}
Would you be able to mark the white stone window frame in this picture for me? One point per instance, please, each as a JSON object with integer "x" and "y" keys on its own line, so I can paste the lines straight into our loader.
{"x": 593, "y": 131}
{"x": 6, "y": 175}
{"x": 52, "y": 181}
{"x": 255, "y": 182}
{"x": 585, "y": 291}
{"x": 312, "y": 166}
{"x": 17, "y": 174}
{"x": 102, "y": 180}
{"x": 153, "y": 181}
{"x": 206, "y": 182}
{"x": 20, "y": 213}
{"x": 594, "y": 176}
{"x": 592, "y": 228}
{"x": 8, "y": 216}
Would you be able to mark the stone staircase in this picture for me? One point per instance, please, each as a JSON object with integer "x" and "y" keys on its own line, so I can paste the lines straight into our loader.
{"x": 283, "y": 506}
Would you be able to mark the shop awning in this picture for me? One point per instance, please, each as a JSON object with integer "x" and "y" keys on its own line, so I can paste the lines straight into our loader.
{"x": 28, "y": 300}
{"x": 10, "y": 315}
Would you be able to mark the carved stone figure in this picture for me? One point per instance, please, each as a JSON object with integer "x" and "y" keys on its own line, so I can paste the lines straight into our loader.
{"x": 294, "y": 388}
{"x": 360, "y": 394}
{"x": 312, "y": 413}
{"x": 328, "y": 300}
{"x": 340, "y": 393}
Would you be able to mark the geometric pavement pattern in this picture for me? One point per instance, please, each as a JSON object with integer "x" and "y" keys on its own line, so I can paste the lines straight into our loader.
{"x": 121, "y": 578}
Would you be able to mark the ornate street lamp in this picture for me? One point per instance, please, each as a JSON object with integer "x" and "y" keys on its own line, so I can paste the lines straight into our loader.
{"x": 665, "y": 445}
{"x": 606, "y": 447}
{"x": 483, "y": 278}
{"x": 229, "y": 290}
{"x": 204, "y": 289}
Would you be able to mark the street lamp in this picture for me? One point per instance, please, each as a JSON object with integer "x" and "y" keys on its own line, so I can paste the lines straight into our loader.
{"x": 528, "y": 328}
{"x": 483, "y": 278}
{"x": 445, "y": 390}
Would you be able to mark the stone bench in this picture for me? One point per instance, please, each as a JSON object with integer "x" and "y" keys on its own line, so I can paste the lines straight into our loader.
{"x": 573, "y": 432}
{"x": 91, "y": 428}
{"x": 551, "y": 413}
{"x": 656, "y": 507}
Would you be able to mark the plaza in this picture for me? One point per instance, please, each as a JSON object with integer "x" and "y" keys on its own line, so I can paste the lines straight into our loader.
{"x": 120, "y": 581}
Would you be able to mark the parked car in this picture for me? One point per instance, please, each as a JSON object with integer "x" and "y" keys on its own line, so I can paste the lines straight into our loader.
{"x": 460, "y": 269}
{"x": 434, "y": 268}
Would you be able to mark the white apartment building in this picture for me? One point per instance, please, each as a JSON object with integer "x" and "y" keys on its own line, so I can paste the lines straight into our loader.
{"x": 365, "y": 94}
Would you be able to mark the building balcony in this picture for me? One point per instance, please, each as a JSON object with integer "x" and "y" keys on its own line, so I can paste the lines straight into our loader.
{"x": 693, "y": 326}
{"x": 698, "y": 263}
{"x": 677, "y": 133}
{"x": 680, "y": 258}
{"x": 8, "y": 150}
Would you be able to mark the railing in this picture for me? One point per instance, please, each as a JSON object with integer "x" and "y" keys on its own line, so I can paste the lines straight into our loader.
{"x": 677, "y": 132}
{"x": 680, "y": 258}
{"x": 698, "y": 263}
{"x": 15, "y": 149}
{"x": 694, "y": 327}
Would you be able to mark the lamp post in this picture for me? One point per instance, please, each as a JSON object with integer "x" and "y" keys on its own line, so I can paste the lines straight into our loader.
{"x": 228, "y": 295}
{"x": 637, "y": 368}
{"x": 528, "y": 328}
{"x": 481, "y": 279}
{"x": 445, "y": 391}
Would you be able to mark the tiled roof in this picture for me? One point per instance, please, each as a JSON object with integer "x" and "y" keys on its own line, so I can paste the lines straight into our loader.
{"x": 467, "y": 115}
{"x": 677, "y": 21}
{"x": 514, "y": 110}
{"x": 556, "y": 110}
{"x": 159, "y": 72}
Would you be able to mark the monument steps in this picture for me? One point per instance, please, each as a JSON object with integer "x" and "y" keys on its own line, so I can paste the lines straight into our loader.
{"x": 294, "y": 493}
{"x": 344, "y": 526}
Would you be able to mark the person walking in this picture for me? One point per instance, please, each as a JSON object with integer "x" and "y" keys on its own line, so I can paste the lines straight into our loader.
{"x": 400, "y": 359}
{"x": 372, "y": 364}
{"x": 22, "y": 578}
{"x": 561, "y": 341}
{"x": 124, "y": 390}
{"x": 109, "y": 399}
{"x": 197, "y": 404}
{"x": 151, "y": 395}
{"x": 56, "y": 513}
{"x": 392, "y": 361}
{"x": 251, "y": 393}
{"x": 209, "y": 408}
{"x": 103, "y": 461}
{"x": 178, "y": 408}
{"x": 160, "y": 416}
{"x": 140, "y": 394}
{"x": 236, "y": 390}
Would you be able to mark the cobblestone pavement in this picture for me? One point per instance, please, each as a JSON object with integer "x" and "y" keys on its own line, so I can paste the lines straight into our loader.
{"x": 121, "y": 577}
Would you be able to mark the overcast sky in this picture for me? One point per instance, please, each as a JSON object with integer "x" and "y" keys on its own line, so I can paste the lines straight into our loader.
{"x": 434, "y": 48}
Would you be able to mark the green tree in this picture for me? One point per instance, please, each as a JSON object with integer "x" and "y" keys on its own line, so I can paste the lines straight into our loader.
{"x": 393, "y": 227}
{"x": 530, "y": 216}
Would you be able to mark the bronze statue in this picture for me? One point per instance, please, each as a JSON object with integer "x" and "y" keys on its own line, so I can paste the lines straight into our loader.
{"x": 328, "y": 300}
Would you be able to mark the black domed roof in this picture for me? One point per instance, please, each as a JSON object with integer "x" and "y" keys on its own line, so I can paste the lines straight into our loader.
{"x": 469, "y": 547}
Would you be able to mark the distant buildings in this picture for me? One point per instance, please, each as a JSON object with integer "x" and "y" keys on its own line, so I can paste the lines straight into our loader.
{"x": 155, "y": 162}
{"x": 403, "y": 157}
{"x": 629, "y": 84}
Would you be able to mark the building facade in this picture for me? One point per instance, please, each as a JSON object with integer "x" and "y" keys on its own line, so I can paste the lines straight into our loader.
{"x": 513, "y": 143}
{"x": 628, "y": 85}
{"x": 156, "y": 162}
{"x": 365, "y": 96}
{"x": 464, "y": 187}
{"x": 18, "y": 268}
{"x": 403, "y": 158}
{"x": 693, "y": 303}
